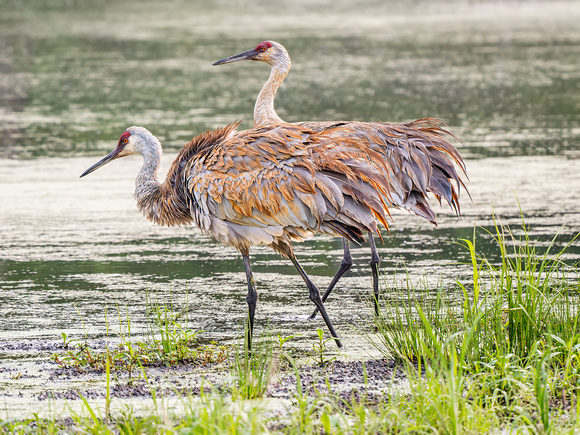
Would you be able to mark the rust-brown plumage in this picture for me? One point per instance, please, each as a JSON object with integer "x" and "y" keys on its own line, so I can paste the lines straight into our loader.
{"x": 271, "y": 185}
{"x": 417, "y": 156}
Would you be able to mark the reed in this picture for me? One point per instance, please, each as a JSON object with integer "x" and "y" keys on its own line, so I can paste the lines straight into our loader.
{"x": 505, "y": 345}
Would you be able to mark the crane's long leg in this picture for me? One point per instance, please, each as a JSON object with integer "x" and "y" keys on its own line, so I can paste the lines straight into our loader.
{"x": 345, "y": 264}
{"x": 375, "y": 261}
{"x": 252, "y": 296}
{"x": 314, "y": 295}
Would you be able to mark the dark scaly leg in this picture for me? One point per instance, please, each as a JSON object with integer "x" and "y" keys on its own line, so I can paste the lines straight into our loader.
{"x": 375, "y": 261}
{"x": 314, "y": 294}
{"x": 345, "y": 264}
{"x": 252, "y": 296}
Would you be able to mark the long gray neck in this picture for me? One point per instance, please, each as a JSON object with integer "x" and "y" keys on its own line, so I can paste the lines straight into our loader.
{"x": 146, "y": 184}
{"x": 264, "y": 112}
{"x": 163, "y": 203}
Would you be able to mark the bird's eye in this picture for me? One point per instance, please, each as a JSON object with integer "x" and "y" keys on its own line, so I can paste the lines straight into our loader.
{"x": 125, "y": 141}
{"x": 264, "y": 48}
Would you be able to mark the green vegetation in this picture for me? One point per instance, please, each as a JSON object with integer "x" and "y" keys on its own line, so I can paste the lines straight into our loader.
{"x": 320, "y": 354}
{"x": 252, "y": 371}
{"x": 500, "y": 354}
{"x": 506, "y": 355}
{"x": 168, "y": 342}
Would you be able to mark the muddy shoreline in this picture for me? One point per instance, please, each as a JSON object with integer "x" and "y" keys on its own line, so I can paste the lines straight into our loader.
{"x": 34, "y": 384}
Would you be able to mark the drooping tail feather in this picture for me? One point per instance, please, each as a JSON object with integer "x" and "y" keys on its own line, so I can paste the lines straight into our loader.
{"x": 408, "y": 162}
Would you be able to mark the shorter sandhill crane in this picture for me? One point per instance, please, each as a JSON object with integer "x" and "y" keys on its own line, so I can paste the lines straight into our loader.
{"x": 271, "y": 186}
{"x": 419, "y": 158}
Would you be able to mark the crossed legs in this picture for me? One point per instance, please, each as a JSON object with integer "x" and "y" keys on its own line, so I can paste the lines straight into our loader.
{"x": 346, "y": 263}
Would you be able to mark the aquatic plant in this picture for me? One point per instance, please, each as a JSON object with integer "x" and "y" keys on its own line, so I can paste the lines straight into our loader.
{"x": 252, "y": 370}
{"x": 507, "y": 342}
{"x": 168, "y": 342}
{"x": 320, "y": 353}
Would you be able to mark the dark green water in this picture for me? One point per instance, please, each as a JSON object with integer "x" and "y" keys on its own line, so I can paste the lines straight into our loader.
{"x": 504, "y": 76}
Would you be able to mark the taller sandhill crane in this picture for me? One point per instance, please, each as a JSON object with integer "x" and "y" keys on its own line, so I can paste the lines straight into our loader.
{"x": 272, "y": 185}
{"x": 419, "y": 158}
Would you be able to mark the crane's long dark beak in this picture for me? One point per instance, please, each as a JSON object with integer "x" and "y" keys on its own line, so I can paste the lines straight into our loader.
{"x": 112, "y": 156}
{"x": 246, "y": 55}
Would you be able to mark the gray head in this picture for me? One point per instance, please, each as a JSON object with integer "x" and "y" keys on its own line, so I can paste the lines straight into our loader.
{"x": 135, "y": 140}
{"x": 269, "y": 52}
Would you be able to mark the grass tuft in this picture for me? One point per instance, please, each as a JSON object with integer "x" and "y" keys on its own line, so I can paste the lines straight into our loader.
{"x": 252, "y": 371}
{"x": 168, "y": 342}
{"x": 505, "y": 345}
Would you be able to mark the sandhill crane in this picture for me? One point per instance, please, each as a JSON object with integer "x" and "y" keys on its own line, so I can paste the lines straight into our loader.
{"x": 272, "y": 185}
{"x": 419, "y": 157}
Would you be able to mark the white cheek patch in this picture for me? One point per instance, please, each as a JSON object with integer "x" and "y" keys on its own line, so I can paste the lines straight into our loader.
{"x": 128, "y": 149}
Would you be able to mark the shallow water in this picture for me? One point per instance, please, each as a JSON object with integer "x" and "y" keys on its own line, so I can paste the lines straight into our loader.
{"x": 505, "y": 78}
